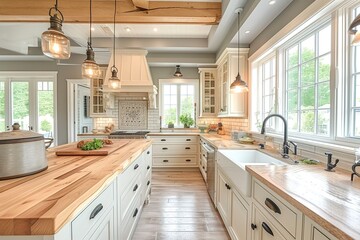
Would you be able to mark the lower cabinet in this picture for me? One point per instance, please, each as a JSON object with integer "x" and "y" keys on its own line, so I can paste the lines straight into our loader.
{"x": 233, "y": 208}
{"x": 312, "y": 231}
{"x": 105, "y": 230}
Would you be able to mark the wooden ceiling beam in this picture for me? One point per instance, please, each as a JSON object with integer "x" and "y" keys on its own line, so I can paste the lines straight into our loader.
{"x": 77, "y": 11}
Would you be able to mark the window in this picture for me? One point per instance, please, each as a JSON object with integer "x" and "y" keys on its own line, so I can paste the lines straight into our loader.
{"x": 307, "y": 76}
{"x": 354, "y": 125}
{"x": 268, "y": 76}
{"x": 177, "y": 97}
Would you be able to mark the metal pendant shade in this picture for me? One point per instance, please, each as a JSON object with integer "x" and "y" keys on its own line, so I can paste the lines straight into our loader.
{"x": 54, "y": 43}
{"x": 178, "y": 72}
{"x": 114, "y": 82}
{"x": 353, "y": 31}
{"x": 238, "y": 85}
{"x": 89, "y": 68}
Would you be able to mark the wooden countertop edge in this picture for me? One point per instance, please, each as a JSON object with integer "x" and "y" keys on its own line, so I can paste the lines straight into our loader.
{"x": 296, "y": 202}
{"x": 45, "y": 225}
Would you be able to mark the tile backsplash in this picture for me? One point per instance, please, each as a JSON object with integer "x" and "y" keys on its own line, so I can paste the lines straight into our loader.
{"x": 229, "y": 124}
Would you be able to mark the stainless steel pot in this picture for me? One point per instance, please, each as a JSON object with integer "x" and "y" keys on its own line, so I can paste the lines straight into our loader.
{"x": 21, "y": 153}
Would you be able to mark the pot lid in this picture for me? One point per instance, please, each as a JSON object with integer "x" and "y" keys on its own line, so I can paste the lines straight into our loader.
{"x": 18, "y": 134}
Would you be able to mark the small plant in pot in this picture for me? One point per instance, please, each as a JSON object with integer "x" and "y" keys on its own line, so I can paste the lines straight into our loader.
{"x": 170, "y": 124}
{"x": 187, "y": 120}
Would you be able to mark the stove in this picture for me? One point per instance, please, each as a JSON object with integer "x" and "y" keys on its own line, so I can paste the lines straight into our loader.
{"x": 128, "y": 134}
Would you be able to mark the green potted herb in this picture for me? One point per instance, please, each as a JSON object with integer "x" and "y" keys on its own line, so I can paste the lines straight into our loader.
{"x": 187, "y": 120}
{"x": 170, "y": 124}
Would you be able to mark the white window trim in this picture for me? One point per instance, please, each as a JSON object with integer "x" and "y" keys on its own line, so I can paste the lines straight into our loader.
{"x": 179, "y": 81}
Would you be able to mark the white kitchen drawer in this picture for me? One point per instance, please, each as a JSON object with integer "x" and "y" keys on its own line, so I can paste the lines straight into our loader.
{"x": 131, "y": 192}
{"x": 128, "y": 224}
{"x": 174, "y": 149}
{"x": 128, "y": 175}
{"x": 175, "y": 139}
{"x": 91, "y": 215}
{"x": 184, "y": 161}
{"x": 146, "y": 187}
{"x": 286, "y": 215}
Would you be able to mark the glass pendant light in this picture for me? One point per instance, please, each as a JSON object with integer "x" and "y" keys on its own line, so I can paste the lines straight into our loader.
{"x": 238, "y": 85}
{"x": 178, "y": 72}
{"x": 54, "y": 43}
{"x": 89, "y": 68}
{"x": 114, "y": 81}
{"x": 354, "y": 31}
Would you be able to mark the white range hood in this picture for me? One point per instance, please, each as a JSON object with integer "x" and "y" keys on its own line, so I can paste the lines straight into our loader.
{"x": 134, "y": 74}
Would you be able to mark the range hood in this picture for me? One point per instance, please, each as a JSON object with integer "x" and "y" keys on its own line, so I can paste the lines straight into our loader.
{"x": 134, "y": 74}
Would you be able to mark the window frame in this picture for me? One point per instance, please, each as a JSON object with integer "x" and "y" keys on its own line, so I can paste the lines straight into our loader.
{"x": 178, "y": 82}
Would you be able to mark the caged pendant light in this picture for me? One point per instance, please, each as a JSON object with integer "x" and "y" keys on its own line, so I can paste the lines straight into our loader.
{"x": 89, "y": 68}
{"x": 178, "y": 72}
{"x": 54, "y": 43}
{"x": 238, "y": 85}
{"x": 114, "y": 81}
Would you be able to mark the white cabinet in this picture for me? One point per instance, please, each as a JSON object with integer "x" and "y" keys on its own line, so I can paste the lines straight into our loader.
{"x": 208, "y": 92}
{"x": 233, "y": 209}
{"x": 175, "y": 151}
{"x": 105, "y": 230}
{"x": 313, "y": 231}
{"x": 232, "y": 104}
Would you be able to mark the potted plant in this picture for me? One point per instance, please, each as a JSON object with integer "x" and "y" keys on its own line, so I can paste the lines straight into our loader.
{"x": 170, "y": 124}
{"x": 187, "y": 120}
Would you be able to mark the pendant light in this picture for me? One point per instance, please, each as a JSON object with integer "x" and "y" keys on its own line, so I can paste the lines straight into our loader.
{"x": 89, "y": 68}
{"x": 114, "y": 81}
{"x": 178, "y": 72}
{"x": 353, "y": 31}
{"x": 238, "y": 85}
{"x": 54, "y": 43}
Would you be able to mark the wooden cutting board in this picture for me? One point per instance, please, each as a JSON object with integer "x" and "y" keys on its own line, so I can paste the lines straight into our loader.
{"x": 72, "y": 150}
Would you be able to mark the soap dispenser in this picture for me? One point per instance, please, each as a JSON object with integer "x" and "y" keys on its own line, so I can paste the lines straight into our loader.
{"x": 356, "y": 164}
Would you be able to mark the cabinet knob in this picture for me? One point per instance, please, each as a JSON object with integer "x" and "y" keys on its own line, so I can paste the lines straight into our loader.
{"x": 267, "y": 228}
{"x": 148, "y": 152}
{"x": 253, "y": 226}
{"x": 271, "y": 205}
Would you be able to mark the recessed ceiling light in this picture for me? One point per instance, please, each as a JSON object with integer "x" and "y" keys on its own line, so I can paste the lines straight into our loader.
{"x": 92, "y": 29}
{"x": 128, "y": 29}
{"x": 271, "y": 2}
{"x": 155, "y": 29}
{"x": 247, "y": 31}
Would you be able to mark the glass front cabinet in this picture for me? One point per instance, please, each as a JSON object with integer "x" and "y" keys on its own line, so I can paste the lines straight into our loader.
{"x": 208, "y": 92}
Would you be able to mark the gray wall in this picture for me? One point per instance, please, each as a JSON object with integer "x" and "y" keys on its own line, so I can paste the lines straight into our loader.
{"x": 64, "y": 72}
{"x": 294, "y": 9}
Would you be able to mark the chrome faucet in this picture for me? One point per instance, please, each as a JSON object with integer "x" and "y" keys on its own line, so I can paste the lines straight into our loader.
{"x": 285, "y": 143}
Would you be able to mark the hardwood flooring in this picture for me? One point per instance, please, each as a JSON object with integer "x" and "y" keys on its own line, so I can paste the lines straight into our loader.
{"x": 179, "y": 209}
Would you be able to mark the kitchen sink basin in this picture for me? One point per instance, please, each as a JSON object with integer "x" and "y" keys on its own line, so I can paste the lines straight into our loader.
{"x": 233, "y": 163}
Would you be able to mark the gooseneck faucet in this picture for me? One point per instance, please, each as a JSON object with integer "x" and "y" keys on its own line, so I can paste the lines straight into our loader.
{"x": 285, "y": 143}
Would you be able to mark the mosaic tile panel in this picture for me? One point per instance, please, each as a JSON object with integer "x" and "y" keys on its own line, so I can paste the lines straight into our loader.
{"x": 133, "y": 115}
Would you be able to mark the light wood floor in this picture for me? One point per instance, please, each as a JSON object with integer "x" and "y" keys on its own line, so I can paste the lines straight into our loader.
{"x": 180, "y": 208}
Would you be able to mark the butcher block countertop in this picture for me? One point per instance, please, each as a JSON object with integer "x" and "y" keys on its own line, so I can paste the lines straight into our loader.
{"x": 42, "y": 203}
{"x": 328, "y": 198}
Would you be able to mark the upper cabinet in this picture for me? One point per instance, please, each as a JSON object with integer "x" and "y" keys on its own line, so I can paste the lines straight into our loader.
{"x": 232, "y": 104}
{"x": 100, "y": 102}
{"x": 208, "y": 92}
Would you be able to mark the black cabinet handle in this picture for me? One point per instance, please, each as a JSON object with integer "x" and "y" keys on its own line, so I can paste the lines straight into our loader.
{"x": 188, "y": 160}
{"x": 188, "y": 139}
{"x": 163, "y": 140}
{"x": 96, "y": 210}
{"x": 135, "y": 212}
{"x": 253, "y": 226}
{"x": 270, "y": 204}
{"x": 136, "y": 166}
{"x": 203, "y": 167}
{"x": 187, "y": 148}
{"x": 148, "y": 152}
{"x": 267, "y": 228}
{"x": 135, "y": 187}
{"x": 226, "y": 185}
{"x": 164, "y": 148}
{"x": 148, "y": 167}
{"x": 148, "y": 183}
{"x": 203, "y": 155}
{"x": 165, "y": 160}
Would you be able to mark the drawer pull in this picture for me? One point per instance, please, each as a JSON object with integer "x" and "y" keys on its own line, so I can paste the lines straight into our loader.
{"x": 253, "y": 226}
{"x": 226, "y": 185}
{"x": 188, "y": 160}
{"x": 135, "y": 212}
{"x": 187, "y": 148}
{"x": 164, "y": 148}
{"x": 204, "y": 155}
{"x": 96, "y": 210}
{"x": 203, "y": 167}
{"x": 148, "y": 183}
{"x": 163, "y": 140}
{"x": 148, "y": 152}
{"x": 165, "y": 160}
{"x": 148, "y": 167}
{"x": 136, "y": 166}
{"x": 188, "y": 140}
{"x": 135, "y": 188}
{"x": 270, "y": 204}
{"x": 267, "y": 228}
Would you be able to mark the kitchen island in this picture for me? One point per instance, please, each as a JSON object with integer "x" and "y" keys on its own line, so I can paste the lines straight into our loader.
{"x": 43, "y": 203}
